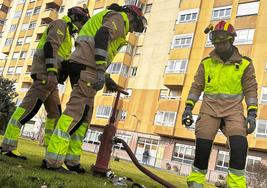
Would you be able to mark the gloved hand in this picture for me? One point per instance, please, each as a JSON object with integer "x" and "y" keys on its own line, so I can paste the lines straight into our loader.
{"x": 187, "y": 117}
{"x": 110, "y": 83}
{"x": 100, "y": 80}
{"x": 51, "y": 82}
{"x": 63, "y": 72}
{"x": 251, "y": 120}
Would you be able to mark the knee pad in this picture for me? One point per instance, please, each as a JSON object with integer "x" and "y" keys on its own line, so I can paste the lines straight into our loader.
{"x": 202, "y": 153}
{"x": 238, "y": 152}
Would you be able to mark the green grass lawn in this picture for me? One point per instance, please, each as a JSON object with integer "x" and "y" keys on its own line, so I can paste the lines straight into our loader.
{"x": 18, "y": 173}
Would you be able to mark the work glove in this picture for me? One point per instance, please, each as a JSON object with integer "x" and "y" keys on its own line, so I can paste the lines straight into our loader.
{"x": 110, "y": 83}
{"x": 100, "y": 80}
{"x": 251, "y": 120}
{"x": 187, "y": 117}
{"x": 51, "y": 82}
{"x": 63, "y": 72}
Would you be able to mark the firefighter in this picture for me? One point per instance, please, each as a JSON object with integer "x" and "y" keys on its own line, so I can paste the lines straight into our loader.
{"x": 49, "y": 59}
{"x": 226, "y": 77}
{"x": 97, "y": 44}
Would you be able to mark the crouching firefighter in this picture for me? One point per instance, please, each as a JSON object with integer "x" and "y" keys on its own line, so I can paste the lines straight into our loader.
{"x": 97, "y": 44}
{"x": 226, "y": 77}
{"x": 50, "y": 57}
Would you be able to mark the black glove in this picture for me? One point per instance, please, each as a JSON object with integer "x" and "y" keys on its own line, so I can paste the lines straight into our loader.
{"x": 63, "y": 72}
{"x": 100, "y": 80}
{"x": 251, "y": 120}
{"x": 110, "y": 83}
{"x": 187, "y": 117}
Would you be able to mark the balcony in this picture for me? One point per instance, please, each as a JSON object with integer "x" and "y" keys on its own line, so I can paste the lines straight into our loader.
{"x": 131, "y": 38}
{"x": 41, "y": 28}
{"x": 49, "y": 15}
{"x": 173, "y": 80}
{"x": 162, "y": 130}
{"x": 54, "y": 3}
{"x": 27, "y": 78}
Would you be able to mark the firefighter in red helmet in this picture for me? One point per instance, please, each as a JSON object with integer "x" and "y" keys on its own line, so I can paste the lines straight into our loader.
{"x": 225, "y": 77}
{"x": 97, "y": 44}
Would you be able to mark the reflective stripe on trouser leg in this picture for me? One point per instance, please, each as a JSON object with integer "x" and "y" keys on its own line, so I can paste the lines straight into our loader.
{"x": 59, "y": 142}
{"x": 197, "y": 178}
{"x": 13, "y": 129}
{"x": 236, "y": 178}
{"x": 75, "y": 146}
{"x": 49, "y": 128}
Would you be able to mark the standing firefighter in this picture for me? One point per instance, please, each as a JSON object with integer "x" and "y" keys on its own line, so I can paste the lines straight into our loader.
{"x": 50, "y": 58}
{"x": 225, "y": 77}
{"x": 97, "y": 44}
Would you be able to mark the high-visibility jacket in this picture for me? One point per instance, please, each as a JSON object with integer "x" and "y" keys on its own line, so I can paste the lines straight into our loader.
{"x": 224, "y": 85}
{"x": 58, "y": 34}
{"x": 118, "y": 25}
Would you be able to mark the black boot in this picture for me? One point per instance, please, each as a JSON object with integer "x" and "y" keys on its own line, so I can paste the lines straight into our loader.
{"x": 59, "y": 169}
{"x": 13, "y": 154}
{"x": 77, "y": 168}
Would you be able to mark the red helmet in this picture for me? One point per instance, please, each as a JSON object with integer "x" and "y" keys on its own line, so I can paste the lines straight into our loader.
{"x": 140, "y": 20}
{"x": 81, "y": 14}
{"x": 222, "y": 31}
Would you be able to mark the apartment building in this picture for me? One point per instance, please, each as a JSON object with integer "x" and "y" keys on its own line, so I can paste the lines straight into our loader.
{"x": 156, "y": 68}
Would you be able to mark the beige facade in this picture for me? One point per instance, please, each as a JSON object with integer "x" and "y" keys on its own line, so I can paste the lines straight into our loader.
{"x": 157, "y": 68}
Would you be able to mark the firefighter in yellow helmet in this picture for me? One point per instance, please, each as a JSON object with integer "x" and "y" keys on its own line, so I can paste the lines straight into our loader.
{"x": 49, "y": 59}
{"x": 225, "y": 77}
{"x": 97, "y": 44}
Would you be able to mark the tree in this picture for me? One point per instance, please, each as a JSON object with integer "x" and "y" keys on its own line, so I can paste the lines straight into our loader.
{"x": 7, "y": 105}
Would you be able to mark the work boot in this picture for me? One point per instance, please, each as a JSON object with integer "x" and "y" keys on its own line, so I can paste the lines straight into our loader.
{"x": 59, "y": 169}
{"x": 77, "y": 168}
{"x": 13, "y": 154}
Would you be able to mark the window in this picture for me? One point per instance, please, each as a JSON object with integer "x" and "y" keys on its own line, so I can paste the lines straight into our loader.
{"x": 12, "y": 28}
{"x": 122, "y": 115}
{"x": 36, "y": 10}
{"x": 2, "y": 22}
{"x": 118, "y": 68}
{"x": 29, "y": 68}
{"x": 183, "y": 153}
{"x": 125, "y": 137}
{"x": 132, "y": 72}
{"x": 165, "y": 118}
{"x": 103, "y": 112}
{"x": 32, "y": 25}
{"x": 17, "y": 14}
{"x": 31, "y": 1}
{"x": 18, "y": 70}
{"x": 23, "y": 55}
{"x": 8, "y": 41}
{"x": 92, "y": 137}
{"x": 21, "y": 1}
{"x": 245, "y": 9}
{"x": 28, "y": 39}
{"x": 32, "y": 52}
{"x": 169, "y": 94}
{"x": 138, "y": 50}
{"x": 261, "y": 130}
{"x": 130, "y": 2}
{"x": 264, "y": 95}
{"x": 187, "y": 16}
{"x": 129, "y": 49}
{"x": 15, "y": 55}
{"x": 29, "y": 12}
{"x": 20, "y": 41}
{"x": 221, "y": 13}
{"x": 61, "y": 9}
{"x": 176, "y": 66}
{"x": 222, "y": 161}
{"x": 148, "y": 8}
{"x": 97, "y": 11}
{"x": 252, "y": 162}
{"x": 1, "y": 70}
{"x": 24, "y": 26}
{"x": 10, "y": 70}
{"x": 244, "y": 36}
{"x": 182, "y": 41}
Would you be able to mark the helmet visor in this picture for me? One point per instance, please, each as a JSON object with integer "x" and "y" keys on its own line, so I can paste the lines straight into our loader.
{"x": 219, "y": 36}
{"x": 139, "y": 24}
